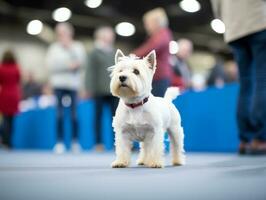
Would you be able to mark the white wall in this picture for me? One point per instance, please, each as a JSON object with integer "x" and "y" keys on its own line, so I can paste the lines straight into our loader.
{"x": 29, "y": 50}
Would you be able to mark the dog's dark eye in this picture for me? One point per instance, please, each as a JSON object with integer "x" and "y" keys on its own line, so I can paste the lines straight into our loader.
{"x": 136, "y": 71}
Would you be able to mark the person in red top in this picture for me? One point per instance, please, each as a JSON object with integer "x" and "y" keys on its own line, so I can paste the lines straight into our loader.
{"x": 9, "y": 94}
{"x": 156, "y": 25}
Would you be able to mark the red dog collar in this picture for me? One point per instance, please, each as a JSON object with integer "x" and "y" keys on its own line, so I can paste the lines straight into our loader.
{"x": 135, "y": 105}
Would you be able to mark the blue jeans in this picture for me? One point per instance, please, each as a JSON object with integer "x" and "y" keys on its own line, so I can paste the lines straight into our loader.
{"x": 250, "y": 55}
{"x": 159, "y": 87}
{"x": 60, "y": 94}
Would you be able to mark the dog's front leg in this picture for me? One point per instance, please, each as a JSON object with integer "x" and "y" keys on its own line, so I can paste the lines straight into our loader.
{"x": 154, "y": 150}
{"x": 123, "y": 150}
{"x": 141, "y": 157}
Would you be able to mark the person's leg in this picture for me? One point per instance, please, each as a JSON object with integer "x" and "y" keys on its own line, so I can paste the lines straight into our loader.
{"x": 60, "y": 148}
{"x": 60, "y": 112}
{"x": 10, "y": 123}
{"x": 242, "y": 54}
{"x": 99, "y": 103}
{"x": 4, "y": 130}
{"x": 73, "y": 107}
{"x": 75, "y": 146}
{"x": 159, "y": 87}
{"x": 258, "y": 44}
{"x": 113, "y": 103}
{"x": 7, "y": 130}
{"x": 1, "y": 129}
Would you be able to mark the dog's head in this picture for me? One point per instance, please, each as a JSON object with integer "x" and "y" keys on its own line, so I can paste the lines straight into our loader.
{"x": 132, "y": 76}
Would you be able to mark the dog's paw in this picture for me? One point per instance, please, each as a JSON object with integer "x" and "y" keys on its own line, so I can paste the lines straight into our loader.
{"x": 179, "y": 161}
{"x": 140, "y": 162}
{"x": 119, "y": 164}
{"x": 155, "y": 165}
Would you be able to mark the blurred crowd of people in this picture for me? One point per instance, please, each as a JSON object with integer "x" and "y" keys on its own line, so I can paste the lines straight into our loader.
{"x": 73, "y": 71}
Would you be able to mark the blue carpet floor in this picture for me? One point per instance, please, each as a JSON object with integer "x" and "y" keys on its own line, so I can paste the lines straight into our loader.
{"x": 88, "y": 176}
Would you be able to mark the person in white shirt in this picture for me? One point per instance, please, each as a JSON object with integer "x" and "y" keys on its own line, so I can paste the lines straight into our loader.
{"x": 65, "y": 60}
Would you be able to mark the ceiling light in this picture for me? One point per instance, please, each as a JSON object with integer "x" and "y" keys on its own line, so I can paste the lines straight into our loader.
{"x": 218, "y": 26}
{"x": 190, "y": 5}
{"x": 61, "y": 14}
{"x": 125, "y": 29}
{"x": 34, "y": 27}
{"x": 93, "y": 3}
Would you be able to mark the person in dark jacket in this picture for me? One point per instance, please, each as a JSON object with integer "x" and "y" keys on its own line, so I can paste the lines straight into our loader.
{"x": 97, "y": 79}
{"x": 30, "y": 88}
{"x": 9, "y": 94}
{"x": 156, "y": 25}
{"x": 217, "y": 75}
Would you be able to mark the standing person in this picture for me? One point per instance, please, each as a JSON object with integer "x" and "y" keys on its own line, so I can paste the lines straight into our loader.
{"x": 246, "y": 34}
{"x": 65, "y": 59}
{"x": 9, "y": 94}
{"x": 30, "y": 88}
{"x": 156, "y": 25}
{"x": 97, "y": 79}
{"x": 182, "y": 75}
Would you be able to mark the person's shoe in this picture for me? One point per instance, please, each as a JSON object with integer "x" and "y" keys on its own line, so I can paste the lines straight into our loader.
{"x": 243, "y": 148}
{"x": 75, "y": 147}
{"x": 258, "y": 147}
{"x": 59, "y": 148}
{"x": 99, "y": 148}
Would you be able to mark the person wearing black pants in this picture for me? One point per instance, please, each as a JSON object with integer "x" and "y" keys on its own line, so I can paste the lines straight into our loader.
{"x": 97, "y": 79}
{"x": 7, "y": 129}
{"x": 245, "y": 32}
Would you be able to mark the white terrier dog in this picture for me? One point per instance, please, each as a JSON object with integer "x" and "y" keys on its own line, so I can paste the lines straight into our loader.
{"x": 141, "y": 116}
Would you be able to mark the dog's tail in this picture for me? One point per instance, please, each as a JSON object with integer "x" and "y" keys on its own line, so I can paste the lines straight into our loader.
{"x": 171, "y": 93}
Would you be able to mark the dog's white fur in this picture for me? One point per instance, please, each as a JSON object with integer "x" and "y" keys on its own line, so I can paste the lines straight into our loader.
{"x": 146, "y": 123}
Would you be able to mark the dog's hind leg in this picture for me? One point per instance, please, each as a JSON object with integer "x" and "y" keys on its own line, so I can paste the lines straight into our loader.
{"x": 176, "y": 135}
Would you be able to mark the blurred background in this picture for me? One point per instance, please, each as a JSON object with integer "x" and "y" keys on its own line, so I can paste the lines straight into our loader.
{"x": 56, "y": 137}
{"x": 86, "y": 16}
{"x": 209, "y": 83}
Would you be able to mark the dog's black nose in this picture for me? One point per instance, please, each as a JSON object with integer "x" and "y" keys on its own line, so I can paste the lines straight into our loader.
{"x": 122, "y": 78}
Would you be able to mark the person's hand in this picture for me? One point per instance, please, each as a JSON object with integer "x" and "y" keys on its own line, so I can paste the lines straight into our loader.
{"x": 74, "y": 66}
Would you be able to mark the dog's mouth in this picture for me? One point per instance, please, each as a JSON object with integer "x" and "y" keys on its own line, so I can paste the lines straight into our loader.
{"x": 123, "y": 85}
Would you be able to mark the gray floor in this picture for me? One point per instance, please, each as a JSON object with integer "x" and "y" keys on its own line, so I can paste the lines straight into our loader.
{"x": 42, "y": 175}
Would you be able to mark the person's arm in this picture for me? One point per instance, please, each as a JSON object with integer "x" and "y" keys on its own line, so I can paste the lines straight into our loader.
{"x": 78, "y": 56}
{"x": 155, "y": 42}
{"x": 54, "y": 64}
{"x": 90, "y": 73}
{"x": 81, "y": 55}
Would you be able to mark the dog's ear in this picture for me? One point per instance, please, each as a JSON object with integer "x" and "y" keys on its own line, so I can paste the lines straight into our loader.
{"x": 151, "y": 59}
{"x": 118, "y": 55}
